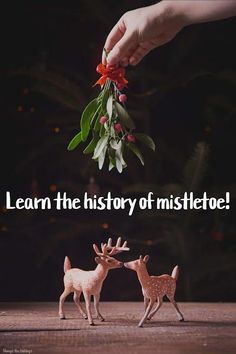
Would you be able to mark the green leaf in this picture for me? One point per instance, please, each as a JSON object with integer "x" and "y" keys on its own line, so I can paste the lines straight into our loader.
{"x": 110, "y": 106}
{"x": 112, "y": 132}
{"x": 102, "y": 129}
{"x": 146, "y": 140}
{"x": 100, "y": 145}
{"x": 112, "y": 153}
{"x": 124, "y": 116}
{"x": 119, "y": 165}
{"x": 111, "y": 166}
{"x": 91, "y": 146}
{"x": 95, "y": 115}
{"x": 101, "y": 157}
{"x": 75, "y": 142}
{"x": 104, "y": 101}
{"x": 97, "y": 124}
{"x": 136, "y": 151}
{"x": 119, "y": 153}
{"x": 112, "y": 160}
{"x": 86, "y": 118}
{"x": 114, "y": 144}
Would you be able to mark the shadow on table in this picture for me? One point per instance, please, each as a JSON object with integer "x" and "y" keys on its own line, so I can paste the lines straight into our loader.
{"x": 187, "y": 323}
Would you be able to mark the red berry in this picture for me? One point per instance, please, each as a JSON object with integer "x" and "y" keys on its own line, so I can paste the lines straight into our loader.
{"x": 131, "y": 138}
{"x": 117, "y": 127}
{"x": 103, "y": 119}
{"x": 122, "y": 98}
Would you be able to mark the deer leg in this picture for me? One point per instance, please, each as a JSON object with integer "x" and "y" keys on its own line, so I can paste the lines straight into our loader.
{"x": 87, "y": 298}
{"x": 179, "y": 314}
{"x": 76, "y": 299}
{"x": 159, "y": 303}
{"x": 148, "y": 309}
{"x": 146, "y": 301}
{"x": 63, "y": 296}
{"x": 96, "y": 307}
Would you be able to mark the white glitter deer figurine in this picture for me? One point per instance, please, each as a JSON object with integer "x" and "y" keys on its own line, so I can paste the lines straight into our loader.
{"x": 90, "y": 282}
{"x": 154, "y": 288}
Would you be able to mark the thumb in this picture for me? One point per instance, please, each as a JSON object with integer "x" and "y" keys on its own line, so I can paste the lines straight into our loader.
{"x": 121, "y": 48}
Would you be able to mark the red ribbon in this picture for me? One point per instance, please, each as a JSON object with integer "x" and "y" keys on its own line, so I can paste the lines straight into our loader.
{"x": 114, "y": 74}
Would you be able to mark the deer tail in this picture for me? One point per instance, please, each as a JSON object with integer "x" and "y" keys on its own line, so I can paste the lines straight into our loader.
{"x": 67, "y": 264}
{"x": 175, "y": 273}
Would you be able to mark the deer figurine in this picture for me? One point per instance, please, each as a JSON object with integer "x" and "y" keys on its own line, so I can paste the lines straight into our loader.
{"x": 90, "y": 282}
{"x": 154, "y": 287}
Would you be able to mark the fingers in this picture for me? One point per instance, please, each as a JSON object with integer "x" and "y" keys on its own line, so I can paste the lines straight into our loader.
{"x": 139, "y": 54}
{"x": 144, "y": 48}
{"x": 118, "y": 46}
{"x": 121, "y": 49}
{"x": 124, "y": 62}
{"x": 114, "y": 36}
{"x": 124, "y": 44}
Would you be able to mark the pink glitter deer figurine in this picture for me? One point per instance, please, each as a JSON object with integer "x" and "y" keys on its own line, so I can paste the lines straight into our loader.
{"x": 154, "y": 287}
{"x": 90, "y": 282}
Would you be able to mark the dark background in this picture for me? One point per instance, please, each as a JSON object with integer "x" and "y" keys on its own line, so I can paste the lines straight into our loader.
{"x": 182, "y": 94}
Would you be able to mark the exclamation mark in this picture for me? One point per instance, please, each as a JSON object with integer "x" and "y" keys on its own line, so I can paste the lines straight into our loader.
{"x": 227, "y": 200}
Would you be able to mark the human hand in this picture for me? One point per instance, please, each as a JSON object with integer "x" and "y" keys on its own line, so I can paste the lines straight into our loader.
{"x": 139, "y": 31}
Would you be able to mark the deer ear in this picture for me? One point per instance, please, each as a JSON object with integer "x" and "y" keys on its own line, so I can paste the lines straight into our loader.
{"x": 95, "y": 247}
{"x": 146, "y": 258}
{"x": 98, "y": 260}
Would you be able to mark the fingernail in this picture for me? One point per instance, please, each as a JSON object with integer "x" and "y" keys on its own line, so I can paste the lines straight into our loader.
{"x": 124, "y": 62}
{"x": 132, "y": 61}
{"x": 111, "y": 60}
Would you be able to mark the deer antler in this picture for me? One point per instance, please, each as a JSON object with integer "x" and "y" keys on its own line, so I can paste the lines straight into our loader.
{"x": 103, "y": 251}
{"x": 112, "y": 250}
{"x": 108, "y": 250}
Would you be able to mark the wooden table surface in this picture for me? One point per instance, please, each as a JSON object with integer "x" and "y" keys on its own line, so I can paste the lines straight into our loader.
{"x": 210, "y": 328}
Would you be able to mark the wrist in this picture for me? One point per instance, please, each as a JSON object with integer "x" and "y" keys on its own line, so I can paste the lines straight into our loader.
{"x": 175, "y": 11}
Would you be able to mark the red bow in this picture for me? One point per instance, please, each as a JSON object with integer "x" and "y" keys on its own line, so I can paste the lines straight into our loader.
{"x": 114, "y": 74}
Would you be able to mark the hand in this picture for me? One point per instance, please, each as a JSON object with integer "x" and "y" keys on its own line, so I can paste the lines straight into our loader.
{"x": 139, "y": 31}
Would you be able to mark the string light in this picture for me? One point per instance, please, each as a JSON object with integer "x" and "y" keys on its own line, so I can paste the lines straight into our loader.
{"x": 53, "y": 188}
{"x": 105, "y": 225}
{"x": 3, "y": 228}
{"x": 56, "y": 129}
{"x": 149, "y": 242}
{"x": 20, "y": 109}
{"x": 26, "y": 91}
{"x": 32, "y": 109}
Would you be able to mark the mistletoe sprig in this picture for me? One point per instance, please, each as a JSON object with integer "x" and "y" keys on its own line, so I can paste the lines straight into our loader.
{"x": 108, "y": 123}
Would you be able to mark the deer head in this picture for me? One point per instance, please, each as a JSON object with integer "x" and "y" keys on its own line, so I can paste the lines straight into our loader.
{"x": 107, "y": 250}
{"x": 137, "y": 263}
